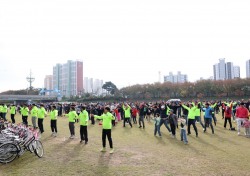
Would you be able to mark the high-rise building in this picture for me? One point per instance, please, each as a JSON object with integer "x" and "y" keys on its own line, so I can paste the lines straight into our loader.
{"x": 229, "y": 70}
{"x": 248, "y": 68}
{"x": 68, "y": 78}
{"x": 48, "y": 83}
{"x": 216, "y": 72}
{"x": 223, "y": 70}
{"x": 179, "y": 78}
{"x": 220, "y": 70}
{"x": 236, "y": 72}
{"x": 93, "y": 86}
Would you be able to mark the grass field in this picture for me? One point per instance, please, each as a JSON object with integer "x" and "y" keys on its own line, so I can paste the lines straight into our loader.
{"x": 137, "y": 152}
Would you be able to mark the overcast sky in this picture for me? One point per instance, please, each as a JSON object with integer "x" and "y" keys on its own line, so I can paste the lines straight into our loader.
{"x": 126, "y": 42}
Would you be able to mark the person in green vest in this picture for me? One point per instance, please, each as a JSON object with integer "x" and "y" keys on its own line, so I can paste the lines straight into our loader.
{"x": 127, "y": 114}
{"x": 191, "y": 117}
{"x": 84, "y": 118}
{"x": 41, "y": 113}
{"x": 12, "y": 113}
{"x": 5, "y": 110}
{"x": 72, "y": 116}
{"x": 107, "y": 118}
{"x": 34, "y": 111}
{"x": 53, "y": 120}
{"x": 1, "y": 110}
{"x": 25, "y": 114}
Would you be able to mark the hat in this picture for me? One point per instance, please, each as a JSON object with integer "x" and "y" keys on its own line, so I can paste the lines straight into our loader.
{"x": 207, "y": 104}
{"x": 162, "y": 106}
{"x": 241, "y": 103}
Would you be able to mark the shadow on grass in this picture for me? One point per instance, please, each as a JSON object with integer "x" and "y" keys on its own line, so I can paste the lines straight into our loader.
{"x": 200, "y": 140}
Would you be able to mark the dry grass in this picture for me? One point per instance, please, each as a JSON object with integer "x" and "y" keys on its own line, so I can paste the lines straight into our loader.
{"x": 137, "y": 152}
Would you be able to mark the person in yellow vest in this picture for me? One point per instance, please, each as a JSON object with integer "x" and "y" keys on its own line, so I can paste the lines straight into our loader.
{"x": 34, "y": 111}
{"x": 127, "y": 116}
{"x": 25, "y": 114}
{"x": 41, "y": 113}
{"x": 13, "y": 113}
{"x": 72, "y": 116}
{"x": 53, "y": 120}
{"x": 1, "y": 110}
{"x": 84, "y": 119}
{"x": 4, "y": 111}
{"x": 107, "y": 118}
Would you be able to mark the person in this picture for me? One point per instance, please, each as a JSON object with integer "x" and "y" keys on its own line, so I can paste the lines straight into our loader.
{"x": 228, "y": 115}
{"x": 134, "y": 114}
{"x": 12, "y": 113}
{"x": 198, "y": 114}
{"x": 164, "y": 111}
{"x": 246, "y": 125}
{"x": 173, "y": 122}
{"x": 183, "y": 124}
{"x": 141, "y": 116}
{"x": 213, "y": 114}
{"x": 72, "y": 116}
{"x": 1, "y": 110}
{"x": 34, "y": 111}
{"x": 41, "y": 113}
{"x": 25, "y": 114}
{"x": 107, "y": 117}
{"x": 53, "y": 120}
{"x": 157, "y": 120}
{"x": 4, "y": 111}
{"x": 191, "y": 117}
{"x": 241, "y": 116}
{"x": 84, "y": 118}
{"x": 208, "y": 117}
{"x": 127, "y": 114}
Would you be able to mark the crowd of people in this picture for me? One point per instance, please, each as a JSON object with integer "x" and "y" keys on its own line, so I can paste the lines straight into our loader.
{"x": 173, "y": 115}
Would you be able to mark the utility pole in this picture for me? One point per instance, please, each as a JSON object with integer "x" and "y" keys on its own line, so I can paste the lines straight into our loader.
{"x": 30, "y": 80}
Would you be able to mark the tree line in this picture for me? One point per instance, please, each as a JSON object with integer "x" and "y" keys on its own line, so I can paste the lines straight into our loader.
{"x": 199, "y": 89}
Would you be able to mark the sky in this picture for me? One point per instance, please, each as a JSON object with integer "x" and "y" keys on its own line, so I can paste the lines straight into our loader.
{"x": 126, "y": 42}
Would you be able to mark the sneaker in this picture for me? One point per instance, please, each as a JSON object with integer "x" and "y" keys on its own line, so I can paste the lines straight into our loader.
{"x": 173, "y": 136}
{"x": 111, "y": 151}
{"x": 81, "y": 141}
{"x": 103, "y": 150}
{"x": 86, "y": 142}
{"x": 185, "y": 143}
{"x": 238, "y": 133}
{"x": 72, "y": 137}
{"x": 55, "y": 134}
{"x": 52, "y": 134}
{"x": 204, "y": 130}
{"x": 140, "y": 126}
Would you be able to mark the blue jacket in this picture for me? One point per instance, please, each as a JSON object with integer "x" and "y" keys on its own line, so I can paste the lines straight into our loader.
{"x": 208, "y": 112}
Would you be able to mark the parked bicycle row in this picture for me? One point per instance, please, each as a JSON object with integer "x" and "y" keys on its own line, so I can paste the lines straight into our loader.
{"x": 15, "y": 140}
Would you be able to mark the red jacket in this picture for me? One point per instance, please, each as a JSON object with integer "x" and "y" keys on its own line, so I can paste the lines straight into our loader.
{"x": 242, "y": 112}
{"x": 228, "y": 111}
{"x": 134, "y": 112}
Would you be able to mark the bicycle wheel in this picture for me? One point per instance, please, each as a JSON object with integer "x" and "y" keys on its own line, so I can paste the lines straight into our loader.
{"x": 31, "y": 147}
{"x": 39, "y": 149}
{"x": 8, "y": 152}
